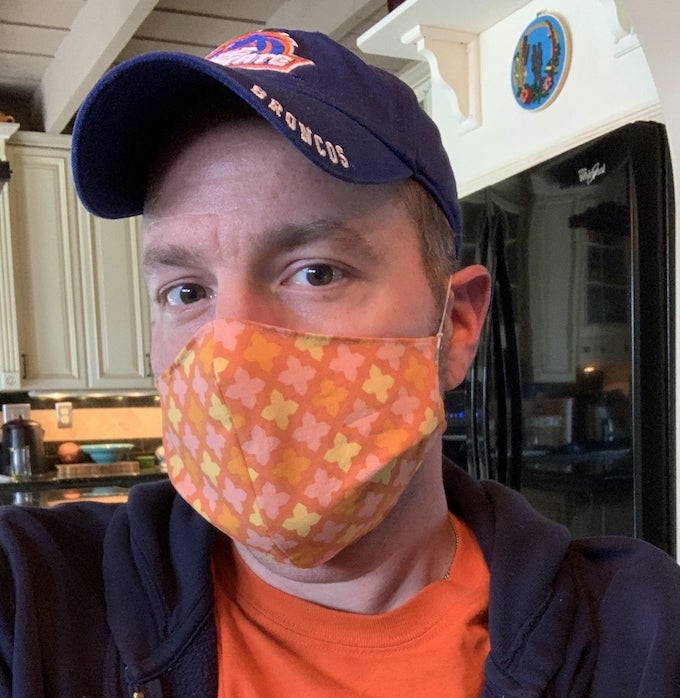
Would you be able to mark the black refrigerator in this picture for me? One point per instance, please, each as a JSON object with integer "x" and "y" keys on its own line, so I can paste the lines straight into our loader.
{"x": 570, "y": 400}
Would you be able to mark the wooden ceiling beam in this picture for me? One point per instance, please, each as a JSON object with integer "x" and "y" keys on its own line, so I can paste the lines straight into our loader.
{"x": 98, "y": 34}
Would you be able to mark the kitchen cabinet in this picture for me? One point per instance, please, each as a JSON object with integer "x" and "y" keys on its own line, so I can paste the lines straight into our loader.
{"x": 9, "y": 358}
{"x": 48, "y": 289}
{"x": 115, "y": 304}
{"x": 82, "y": 313}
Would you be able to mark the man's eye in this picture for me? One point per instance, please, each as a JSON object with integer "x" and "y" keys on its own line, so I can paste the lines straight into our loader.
{"x": 317, "y": 275}
{"x": 185, "y": 294}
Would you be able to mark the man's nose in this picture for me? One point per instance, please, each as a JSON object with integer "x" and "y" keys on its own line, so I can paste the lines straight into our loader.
{"x": 244, "y": 300}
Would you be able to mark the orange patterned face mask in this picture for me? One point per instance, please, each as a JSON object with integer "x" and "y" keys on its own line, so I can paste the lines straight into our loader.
{"x": 297, "y": 445}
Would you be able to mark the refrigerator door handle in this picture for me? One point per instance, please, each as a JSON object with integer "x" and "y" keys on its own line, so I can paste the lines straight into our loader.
{"x": 498, "y": 352}
{"x": 478, "y": 446}
{"x": 512, "y": 383}
{"x": 501, "y": 398}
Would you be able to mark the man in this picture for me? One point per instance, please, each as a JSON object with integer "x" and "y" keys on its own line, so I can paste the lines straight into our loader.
{"x": 300, "y": 232}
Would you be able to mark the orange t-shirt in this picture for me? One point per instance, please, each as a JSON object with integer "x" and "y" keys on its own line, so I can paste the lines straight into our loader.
{"x": 272, "y": 644}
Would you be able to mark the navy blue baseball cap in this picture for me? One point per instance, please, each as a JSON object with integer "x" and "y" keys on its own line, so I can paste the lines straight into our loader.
{"x": 354, "y": 121}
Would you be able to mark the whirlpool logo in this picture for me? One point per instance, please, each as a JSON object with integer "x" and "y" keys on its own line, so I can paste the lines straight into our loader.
{"x": 590, "y": 174}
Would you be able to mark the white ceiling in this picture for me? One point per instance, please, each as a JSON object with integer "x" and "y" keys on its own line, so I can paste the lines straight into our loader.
{"x": 53, "y": 51}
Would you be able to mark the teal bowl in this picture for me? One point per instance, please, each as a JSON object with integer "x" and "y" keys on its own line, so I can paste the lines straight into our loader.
{"x": 106, "y": 453}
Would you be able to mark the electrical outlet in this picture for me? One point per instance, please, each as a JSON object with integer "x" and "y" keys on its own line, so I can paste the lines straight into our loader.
{"x": 64, "y": 414}
{"x": 17, "y": 410}
{"x": 9, "y": 380}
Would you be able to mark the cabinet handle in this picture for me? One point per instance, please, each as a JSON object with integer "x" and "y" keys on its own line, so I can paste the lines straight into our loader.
{"x": 24, "y": 366}
{"x": 149, "y": 371}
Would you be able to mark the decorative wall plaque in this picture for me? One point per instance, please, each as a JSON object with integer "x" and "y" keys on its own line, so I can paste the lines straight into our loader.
{"x": 541, "y": 62}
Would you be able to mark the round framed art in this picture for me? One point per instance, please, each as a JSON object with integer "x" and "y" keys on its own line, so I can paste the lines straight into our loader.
{"x": 541, "y": 62}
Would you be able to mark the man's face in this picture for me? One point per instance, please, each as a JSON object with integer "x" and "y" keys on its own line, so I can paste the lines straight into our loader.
{"x": 240, "y": 225}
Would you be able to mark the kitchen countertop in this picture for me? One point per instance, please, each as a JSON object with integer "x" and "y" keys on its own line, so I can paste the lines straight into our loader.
{"x": 53, "y": 481}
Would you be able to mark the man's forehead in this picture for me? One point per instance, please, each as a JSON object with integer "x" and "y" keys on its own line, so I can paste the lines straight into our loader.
{"x": 226, "y": 141}
{"x": 247, "y": 168}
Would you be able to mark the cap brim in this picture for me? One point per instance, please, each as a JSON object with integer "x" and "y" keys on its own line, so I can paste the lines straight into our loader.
{"x": 119, "y": 125}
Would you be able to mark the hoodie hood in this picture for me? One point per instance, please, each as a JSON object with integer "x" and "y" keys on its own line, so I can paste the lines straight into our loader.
{"x": 157, "y": 578}
{"x": 159, "y": 586}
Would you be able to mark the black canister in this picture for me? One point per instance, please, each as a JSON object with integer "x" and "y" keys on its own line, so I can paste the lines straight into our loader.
{"x": 24, "y": 432}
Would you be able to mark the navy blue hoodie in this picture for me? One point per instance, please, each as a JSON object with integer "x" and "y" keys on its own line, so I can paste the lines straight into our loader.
{"x": 105, "y": 600}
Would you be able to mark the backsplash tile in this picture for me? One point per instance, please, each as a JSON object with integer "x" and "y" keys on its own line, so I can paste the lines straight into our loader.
{"x": 97, "y": 417}
{"x": 103, "y": 424}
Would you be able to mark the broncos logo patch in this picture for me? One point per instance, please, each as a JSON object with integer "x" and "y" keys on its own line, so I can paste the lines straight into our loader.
{"x": 262, "y": 50}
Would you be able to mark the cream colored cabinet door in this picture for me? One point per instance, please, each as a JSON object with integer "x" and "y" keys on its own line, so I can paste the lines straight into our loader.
{"x": 46, "y": 269}
{"x": 115, "y": 304}
{"x": 82, "y": 309}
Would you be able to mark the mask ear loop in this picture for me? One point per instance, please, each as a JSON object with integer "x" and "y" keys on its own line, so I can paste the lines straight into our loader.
{"x": 440, "y": 331}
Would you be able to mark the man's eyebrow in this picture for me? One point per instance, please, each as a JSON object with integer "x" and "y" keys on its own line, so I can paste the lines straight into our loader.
{"x": 290, "y": 237}
{"x": 274, "y": 241}
{"x": 171, "y": 255}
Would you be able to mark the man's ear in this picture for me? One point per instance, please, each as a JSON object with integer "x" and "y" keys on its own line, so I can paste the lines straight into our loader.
{"x": 471, "y": 291}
